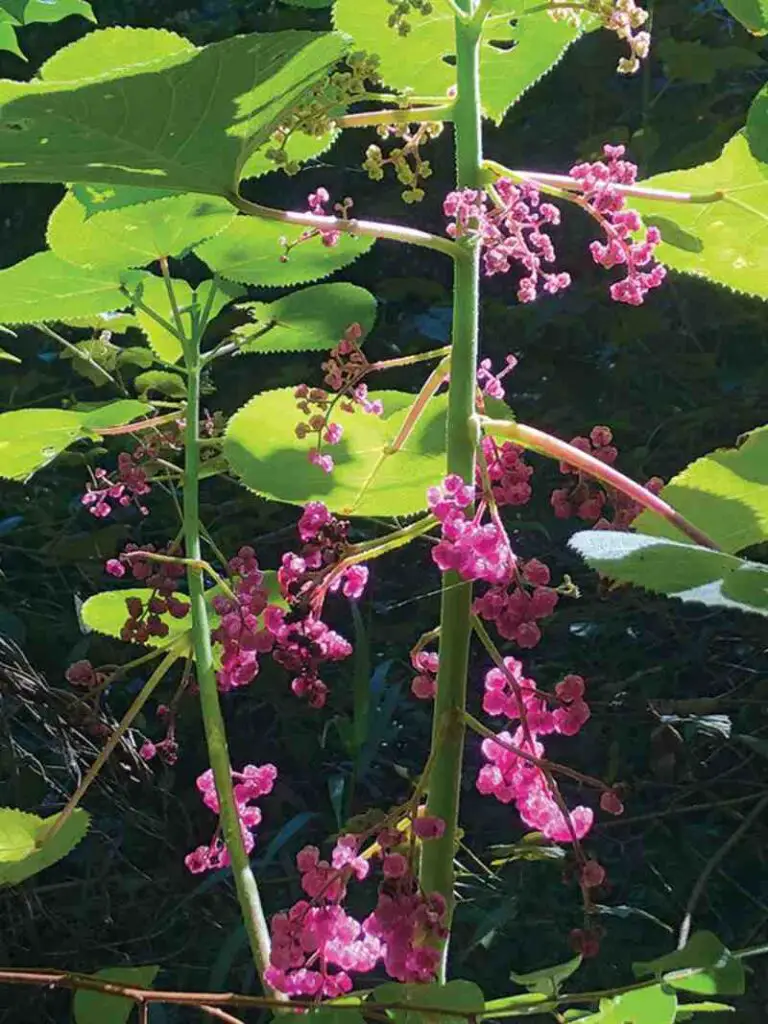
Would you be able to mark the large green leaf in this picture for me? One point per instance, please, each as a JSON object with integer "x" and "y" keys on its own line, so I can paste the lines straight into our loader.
{"x": 14, "y": 13}
{"x": 704, "y": 966}
{"x": 724, "y": 493}
{"x": 31, "y": 438}
{"x": 186, "y": 120}
{"x": 135, "y": 235}
{"x": 753, "y": 14}
{"x": 250, "y": 249}
{"x": 154, "y": 294}
{"x": 313, "y": 318}
{"x": 517, "y": 48}
{"x": 45, "y": 287}
{"x": 723, "y": 234}
{"x": 101, "y": 1008}
{"x": 261, "y": 447}
{"x": 678, "y": 570}
{"x": 105, "y": 53}
{"x": 298, "y": 148}
{"x": 20, "y": 834}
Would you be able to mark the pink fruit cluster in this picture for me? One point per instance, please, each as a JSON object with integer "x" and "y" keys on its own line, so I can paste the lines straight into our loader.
{"x": 511, "y": 228}
{"x": 316, "y": 944}
{"x": 129, "y": 486}
{"x": 144, "y": 615}
{"x": 514, "y": 779}
{"x": 241, "y": 632}
{"x": 253, "y": 782}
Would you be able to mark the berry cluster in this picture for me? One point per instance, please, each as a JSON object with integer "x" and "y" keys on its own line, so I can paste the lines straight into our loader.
{"x": 623, "y": 17}
{"x": 512, "y": 778}
{"x": 607, "y": 203}
{"x": 517, "y": 606}
{"x": 398, "y": 19}
{"x": 241, "y": 634}
{"x": 316, "y": 944}
{"x": 490, "y": 382}
{"x": 103, "y": 494}
{"x": 426, "y": 664}
{"x": 411, "y": 170}
{"x": 161, "y": 578}
{"x": 589, "y": 500}
{"x": 508, "y": 472}
{"x": 511, "y": 228}
{"x": 253, "y": 782}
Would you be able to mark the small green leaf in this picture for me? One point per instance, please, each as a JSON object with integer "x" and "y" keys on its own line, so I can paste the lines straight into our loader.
{"x": 184, "y": 119}
{"x": 153, "y": 293}
{"x": 463, "y": 996}
{"x": 250, "y": 251}
{"x": 683, "y": 571}
{"x": 101, "y": 1008}
{"x": 516, "y": 51}
{"x": 23, "y": 849}
{"x": 703, "y": 966}
{"x": 14, "y": 13}
{"x": 724, "y": 493}
{"x": 313, "y": 318}
{"x": 753, "y": 14}
{"x": 518, "y": 1002}
{"x": 722, "y": 235}
{"x": 547, "y": 981}
{"x": 163, "y": 382}
{"x": 298, "y": 149}
{"x": 135, "y": 235}
{"x": 652, "y": 1005}
{"x": 757, "y": 126}
{"x": 262, "y": 449}
{"x": 45, "y": 287}
{"x": 31, "y": 438}
{"x": 687, "y": 1011}
{"x": 8, "y": 357}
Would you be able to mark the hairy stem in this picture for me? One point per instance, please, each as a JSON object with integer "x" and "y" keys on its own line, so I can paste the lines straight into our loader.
{"x": 448, "y": 725}
{"x": 215, "y": 732}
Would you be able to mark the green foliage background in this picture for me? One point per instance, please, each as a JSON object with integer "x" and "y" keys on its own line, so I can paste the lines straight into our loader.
{"x": 675, "y": 378}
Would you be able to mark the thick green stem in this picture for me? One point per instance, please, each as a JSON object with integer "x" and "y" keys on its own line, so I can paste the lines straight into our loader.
{"x": 213, "y": 721}
{"x": 448, "y": 726}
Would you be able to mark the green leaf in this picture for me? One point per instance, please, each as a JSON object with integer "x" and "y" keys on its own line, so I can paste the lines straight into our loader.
{"x": 313, "y": 318}
{"x": 703, "y": 966}
{"x": 678, "y": 570}
{"x": 185, "y": 120}
{"x": 518, "y": 1002}
{"x": 463, "y": 996}
{"x": 135, "y": 235}
{"x": 31, "y": 438}
{"x": 20, "y": 833}
{"x": 724, "y": 493}
{"x": 753, "y": 14}
{"x": 172, "y": 385}
{"x": 516, "y": 51}
{"x": 299, "y": 148}
{"x": 153, "y": 292}
{"x": 105, "y": 53}
{"x": 692, "y": 61}
{"x": 757, "y": 127}
{"x": 14, "y": 13}
{"x": 650, "y": 1005}
{"x": 723, "y": 235}
{"x": 686, "y": 1011}
{"x": 261, "y": 447}
{"x": 44, "y": 287}
{"x": 548, "y": 980}
{"x": 8, "y": 357}
{"x": 250, "y": 250}
{"x": 101, "y": 1008}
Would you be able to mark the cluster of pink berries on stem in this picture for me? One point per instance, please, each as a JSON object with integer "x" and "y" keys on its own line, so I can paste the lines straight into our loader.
{"x": 252, "y": 782}
{"x": 317, "y": 944}
{"x": 161, "y": 577}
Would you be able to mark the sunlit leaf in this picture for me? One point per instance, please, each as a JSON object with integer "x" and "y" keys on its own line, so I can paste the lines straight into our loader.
{"x": 186, "y": 120}
{"x": 45, "y": 287}
{"x": 683, "y": 571}
{"x": 100, "y": 1007}
{"x": 31, "y": 438}
{"x": 547, "y": 980}
{"x": 724, "y": 493}
{"x": 251, "y": 249}
{"x": 704, "y": 966}
{"x": 313, "y": 318}
{"x": 517, "y": 48}
{"x": 462, "y": 996}
{"x": 652, "y": 1005}
{"x": 753, "y": 14}
{"x": 24, "y": 850}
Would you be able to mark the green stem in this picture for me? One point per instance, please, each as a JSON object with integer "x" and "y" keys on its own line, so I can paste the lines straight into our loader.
{"x": 215, "y": 732}
{"x": 77, "y": 353}
{"x": 401, "y": 115}
{"x": 448, "y": 725}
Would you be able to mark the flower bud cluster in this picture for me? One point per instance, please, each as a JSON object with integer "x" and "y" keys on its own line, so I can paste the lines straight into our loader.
{"x": 130, "y": 484}
{"x": 410, "y": 169}
{"x": 316, "y": 202}
{"x": 253, "y": 782}
{"x": 512, "y": 778}
{"x": 623, "y": 17}
{"x": 398, "y": 19}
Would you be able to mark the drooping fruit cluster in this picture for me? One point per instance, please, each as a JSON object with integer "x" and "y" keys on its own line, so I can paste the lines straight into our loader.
{"x": 161, "y": 578}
